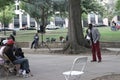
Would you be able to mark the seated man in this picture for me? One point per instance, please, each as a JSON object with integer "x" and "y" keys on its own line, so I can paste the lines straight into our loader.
{"x": 20, "y": 54}
{"x": 11, "y": 67}
{"x": 8, "y": 51}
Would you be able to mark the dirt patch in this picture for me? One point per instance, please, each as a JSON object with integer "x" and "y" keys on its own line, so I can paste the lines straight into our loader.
{"x": 109, "y": 77}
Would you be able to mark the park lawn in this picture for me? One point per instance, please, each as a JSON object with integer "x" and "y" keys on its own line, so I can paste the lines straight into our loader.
{"x": 109, "y": 36}
{"x": 27, "y": 35}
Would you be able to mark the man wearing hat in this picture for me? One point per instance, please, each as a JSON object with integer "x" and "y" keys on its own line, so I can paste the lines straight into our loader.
{"x": 9, "y": 52}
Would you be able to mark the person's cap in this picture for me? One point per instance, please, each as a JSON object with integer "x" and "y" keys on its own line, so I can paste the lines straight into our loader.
{"x": 10, "y": 42}
{"x": 4, "y": 41}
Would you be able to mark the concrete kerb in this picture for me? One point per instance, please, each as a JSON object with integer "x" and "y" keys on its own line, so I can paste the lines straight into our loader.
{"x": 60, "y": 45}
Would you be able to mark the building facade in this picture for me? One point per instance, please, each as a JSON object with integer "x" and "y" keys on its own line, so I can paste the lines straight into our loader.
{"x": 97, "y": 19}
{"x": 22, "y": 19}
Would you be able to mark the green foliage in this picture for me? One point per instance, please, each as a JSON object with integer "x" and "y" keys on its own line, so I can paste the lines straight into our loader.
{"x": 91, "y": 6}
{"x": 109, "y": 11}
{"x": 37, "y": 8}
{"x": 31, "y": 9}
{"x": 87, "y": 7}
{"x": 27, "y": 36}
{"x": 4, "y": 3}
{"x": 61, "y": 6}
{"x": 7, "y": 14}
{"x": 117, "y": 7}
{"x": 84, "y": 16}
{"x": 6, "y": 11}
{"x": 34, "y": 7}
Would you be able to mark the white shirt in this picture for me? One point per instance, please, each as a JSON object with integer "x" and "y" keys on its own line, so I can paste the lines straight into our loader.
{"x": 1, "y": 52}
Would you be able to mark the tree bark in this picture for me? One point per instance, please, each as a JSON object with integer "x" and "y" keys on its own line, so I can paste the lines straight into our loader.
{"x": 75, "y": 32}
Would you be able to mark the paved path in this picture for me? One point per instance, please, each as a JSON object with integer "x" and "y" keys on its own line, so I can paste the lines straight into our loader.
{"x": 114, "y": 49}
{"x": 48, "y": 66}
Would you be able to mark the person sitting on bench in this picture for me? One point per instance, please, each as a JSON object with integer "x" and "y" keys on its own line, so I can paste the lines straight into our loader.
{"x": 8, "y": 51}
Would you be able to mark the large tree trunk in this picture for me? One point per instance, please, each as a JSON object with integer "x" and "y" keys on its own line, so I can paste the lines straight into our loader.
{"x": 75, "y": 32}
{"x": 43, "y": 17}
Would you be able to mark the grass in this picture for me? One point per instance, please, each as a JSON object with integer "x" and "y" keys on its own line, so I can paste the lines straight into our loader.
{"x": 27, "y": 36}
{"x": 109, "y": 36}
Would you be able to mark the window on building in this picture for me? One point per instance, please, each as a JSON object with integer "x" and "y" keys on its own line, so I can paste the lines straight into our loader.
{"x": 118, "y": 17}
{"x": 17, "y": 7}
{"x": 17, "y": 16}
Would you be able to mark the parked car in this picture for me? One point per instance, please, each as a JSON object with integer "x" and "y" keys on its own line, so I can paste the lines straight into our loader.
{"x": 28, "y": 28}
{"x": 100, "y": 25}
{"x": 52, "y": 27}
{"x": 31, "y": 28}
{"x": 23, "y": 28}
{"x": 6, "y": 29}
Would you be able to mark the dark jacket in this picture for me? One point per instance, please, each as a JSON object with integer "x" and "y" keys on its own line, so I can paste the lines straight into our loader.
{"x": 19, "y": 53}
{"x": 9, "y": 53}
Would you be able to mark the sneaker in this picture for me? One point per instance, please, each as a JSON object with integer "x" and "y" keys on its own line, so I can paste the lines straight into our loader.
{"x": 30, "y": 75}
{"x": 20, "y": 71}
{"x": 25, "y": 76}
{"x": 23, "y": 73}
{"x": 18, "y": 75}
{"x": 99, "y": 61}
{"x": 93, "y": 60}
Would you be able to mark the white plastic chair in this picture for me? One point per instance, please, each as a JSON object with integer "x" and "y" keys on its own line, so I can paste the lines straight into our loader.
{"x": 77, "y": 69}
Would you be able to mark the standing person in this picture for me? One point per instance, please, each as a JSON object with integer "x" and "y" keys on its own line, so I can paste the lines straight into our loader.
{"x": 113, "y": 23}
{"x": 94, "y": 37}
{"x": 35, "y": 41}
{"x": 113, "y": 26}
{"x": 14, "y": 32}
{"x": 11, "y": 37}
